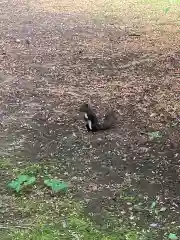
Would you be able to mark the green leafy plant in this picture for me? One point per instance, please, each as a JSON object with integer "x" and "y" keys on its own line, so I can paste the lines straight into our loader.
{"x": 132, "y": 235}
{"x": 166, "y": 10}
{"x": 172, "y": 236}
{"x": 56, "y": 185}
{"x": 154, "y": 135}
{"x": 21, "y": 182}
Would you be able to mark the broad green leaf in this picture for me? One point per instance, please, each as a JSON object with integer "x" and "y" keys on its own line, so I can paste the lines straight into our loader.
{"x": 21, "y": 181}
{"x": 30, "y": 181}
{"x": 23, "y": 178}
{"x": 56, "y": 185}
{"x": 172, "y": 236}
{"x": 15, "y": 185}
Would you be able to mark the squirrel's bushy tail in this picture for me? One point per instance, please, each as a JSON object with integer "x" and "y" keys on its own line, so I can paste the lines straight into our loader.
{"x": 109, "y": 121}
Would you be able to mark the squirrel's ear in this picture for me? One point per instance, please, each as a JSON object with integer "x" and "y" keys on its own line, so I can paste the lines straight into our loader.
{"x": 89, "y": 104}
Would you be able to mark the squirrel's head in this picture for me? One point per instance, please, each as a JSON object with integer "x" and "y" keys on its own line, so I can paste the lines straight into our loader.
{"x": 84, "y": 107}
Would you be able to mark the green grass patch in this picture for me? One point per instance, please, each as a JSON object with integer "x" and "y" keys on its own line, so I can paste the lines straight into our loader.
{"x": 69, "y": 222}
{"x": 5, "y": 163}
{"x": 40, "y": 215}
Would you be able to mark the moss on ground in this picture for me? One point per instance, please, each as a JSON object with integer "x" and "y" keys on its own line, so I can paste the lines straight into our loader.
{"x": 40, "y": 215}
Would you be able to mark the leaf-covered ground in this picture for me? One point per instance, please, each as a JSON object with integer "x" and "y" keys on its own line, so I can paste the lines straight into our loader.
{"x": 56, "y": 55}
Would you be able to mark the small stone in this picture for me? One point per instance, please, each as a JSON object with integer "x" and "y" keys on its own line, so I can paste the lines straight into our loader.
{"x": 152, "y": 114}
{"x": 131, "y": 217}
{"x": 74, "y": 178}
{"x": 18, "y": 40}
{"x": 154, "y": 225}
{"x": 123, "y": 212}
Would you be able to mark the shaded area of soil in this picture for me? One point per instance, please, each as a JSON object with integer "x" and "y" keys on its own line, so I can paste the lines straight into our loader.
{"x": 69, "y": 61}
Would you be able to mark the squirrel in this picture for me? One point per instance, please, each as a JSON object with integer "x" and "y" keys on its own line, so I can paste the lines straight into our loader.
{"x": 92, "y": 123}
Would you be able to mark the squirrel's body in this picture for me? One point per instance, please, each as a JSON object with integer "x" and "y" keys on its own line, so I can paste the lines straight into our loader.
{"x": 92, "y": 123}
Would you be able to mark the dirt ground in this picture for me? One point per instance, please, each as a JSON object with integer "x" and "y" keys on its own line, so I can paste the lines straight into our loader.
{"x": 52, "y": 61}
